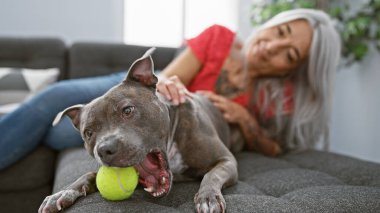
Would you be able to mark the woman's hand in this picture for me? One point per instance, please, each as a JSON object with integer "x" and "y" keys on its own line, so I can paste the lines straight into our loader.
{"x": 255, "y": 138}
{"x": 172, "y": 88}
{"x": 232, "y": 112}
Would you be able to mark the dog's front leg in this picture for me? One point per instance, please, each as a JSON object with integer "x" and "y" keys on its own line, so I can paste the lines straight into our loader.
{"x": 84, "y": 185}
{"x": 209, "y": 197}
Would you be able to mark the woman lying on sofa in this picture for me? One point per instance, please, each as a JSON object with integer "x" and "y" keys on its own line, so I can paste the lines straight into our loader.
{"x": 276, "y": 86}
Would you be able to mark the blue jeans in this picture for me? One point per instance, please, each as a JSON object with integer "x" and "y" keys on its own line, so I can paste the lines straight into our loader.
{"x": 31, "y": 124}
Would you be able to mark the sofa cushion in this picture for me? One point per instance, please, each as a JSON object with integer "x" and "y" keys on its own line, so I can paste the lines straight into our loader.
{"x": 296, "y": 182}
{"x": 93, "y": 59}
{"x": 20, "y": 84}
{"x": 33, "y": 53}
{"x": 349, "y": 170}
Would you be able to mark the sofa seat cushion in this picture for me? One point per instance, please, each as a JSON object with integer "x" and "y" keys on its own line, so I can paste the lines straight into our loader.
{"x": 311, "y": 181}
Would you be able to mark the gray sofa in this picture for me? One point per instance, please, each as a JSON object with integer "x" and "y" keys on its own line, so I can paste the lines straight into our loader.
{"x": 310, "y": 181}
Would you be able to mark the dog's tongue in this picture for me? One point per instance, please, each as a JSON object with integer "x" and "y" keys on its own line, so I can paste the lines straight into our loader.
{"x": 150, "y": 164}
{"x": 153, "y": 175}
{"x": 149, "y": 171}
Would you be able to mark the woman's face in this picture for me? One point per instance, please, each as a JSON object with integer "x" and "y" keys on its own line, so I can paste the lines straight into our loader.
{"x": 276, "y": 51}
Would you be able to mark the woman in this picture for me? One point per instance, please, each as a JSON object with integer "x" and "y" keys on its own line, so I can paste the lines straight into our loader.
{"x": 287, "y": 66}
{"x": 281, "y": 77}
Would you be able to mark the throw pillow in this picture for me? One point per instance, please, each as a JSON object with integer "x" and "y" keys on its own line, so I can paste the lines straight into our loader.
{"x": 19, "y": 84}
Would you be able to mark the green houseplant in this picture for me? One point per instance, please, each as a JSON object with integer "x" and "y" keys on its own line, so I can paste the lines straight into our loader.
{"x": 357, "y": 30}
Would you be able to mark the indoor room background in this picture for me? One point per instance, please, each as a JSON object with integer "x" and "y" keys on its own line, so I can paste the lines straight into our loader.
{"x": 355, "y": 126}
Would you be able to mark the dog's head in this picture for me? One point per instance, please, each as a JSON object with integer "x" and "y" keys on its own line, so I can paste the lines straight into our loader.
{"x": 129, "y": 126}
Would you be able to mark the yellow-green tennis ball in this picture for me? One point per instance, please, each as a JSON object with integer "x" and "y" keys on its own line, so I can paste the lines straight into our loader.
{"x": 116, "y": 183}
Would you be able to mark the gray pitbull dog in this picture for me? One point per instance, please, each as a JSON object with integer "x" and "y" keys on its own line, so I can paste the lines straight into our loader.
{"x": 134, "y": 125}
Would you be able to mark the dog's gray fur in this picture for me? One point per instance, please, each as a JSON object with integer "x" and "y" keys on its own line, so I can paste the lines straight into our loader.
{"x": 193, "y": 137}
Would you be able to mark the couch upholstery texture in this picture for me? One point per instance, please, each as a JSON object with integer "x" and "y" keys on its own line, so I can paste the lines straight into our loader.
{"x": 30, "y": 179}
{"x": 311, "y": 181}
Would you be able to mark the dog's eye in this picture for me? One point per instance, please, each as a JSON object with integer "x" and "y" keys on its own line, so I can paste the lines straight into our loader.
{"x": 128, "y": 110}
{"x": 88, "y": 134}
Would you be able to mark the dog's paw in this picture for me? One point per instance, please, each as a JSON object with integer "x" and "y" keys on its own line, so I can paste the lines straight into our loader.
{"x": 209, "y": 200}
{"x": 60, "y": 200}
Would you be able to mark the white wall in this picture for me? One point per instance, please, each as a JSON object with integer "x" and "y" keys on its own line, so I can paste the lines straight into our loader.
{"x": 71, "y": 20}
{"x": 169, "y": 22}
{"x": 356, "y": 115}
{"x": 244, "y": 22}
{"x": 356, "y": 109}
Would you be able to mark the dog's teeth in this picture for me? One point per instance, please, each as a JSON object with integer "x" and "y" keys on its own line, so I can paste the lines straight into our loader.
{"x": 150, "y": 189}
{"x": 163, "y": 180}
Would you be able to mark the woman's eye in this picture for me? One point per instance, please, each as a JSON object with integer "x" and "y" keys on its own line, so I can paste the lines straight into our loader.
{"x": 128, "y": 110}
{"x": 88, "y": 133}
{"x": 281, "y": 32}
{"x": 292, "y": 55}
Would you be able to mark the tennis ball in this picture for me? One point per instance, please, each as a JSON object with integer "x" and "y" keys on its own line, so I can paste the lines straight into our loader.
{"x": 116, "y": 183}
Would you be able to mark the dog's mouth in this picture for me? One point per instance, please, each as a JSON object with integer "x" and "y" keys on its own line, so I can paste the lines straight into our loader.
{"x": 154, "y": 174}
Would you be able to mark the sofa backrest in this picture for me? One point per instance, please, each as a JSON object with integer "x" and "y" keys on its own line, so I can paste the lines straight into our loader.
{"x": 81, "y": 59}
{"x": 33, "y": 53}
{"x": 92, "y": 59}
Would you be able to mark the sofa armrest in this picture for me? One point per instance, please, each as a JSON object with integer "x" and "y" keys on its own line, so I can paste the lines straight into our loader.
{"x": 28, "y": 181}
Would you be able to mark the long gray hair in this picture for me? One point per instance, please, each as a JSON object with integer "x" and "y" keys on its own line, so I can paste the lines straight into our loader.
{"x": 308, "y": 124}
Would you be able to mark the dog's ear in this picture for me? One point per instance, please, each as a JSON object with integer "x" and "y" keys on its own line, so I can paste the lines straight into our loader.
{"x": 73, "y": 112}
{"x": 142, "y": 70}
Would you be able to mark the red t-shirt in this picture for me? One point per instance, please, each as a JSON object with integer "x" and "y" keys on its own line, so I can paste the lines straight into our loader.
{"x": 211, "y": 48}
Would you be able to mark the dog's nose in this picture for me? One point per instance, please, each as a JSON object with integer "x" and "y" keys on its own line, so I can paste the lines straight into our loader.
{"x": 107, "y": 151}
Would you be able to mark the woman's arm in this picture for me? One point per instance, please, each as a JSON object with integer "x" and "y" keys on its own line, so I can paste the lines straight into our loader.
{"x": 173, "y": 80}
{"x": 254, "y": 135}
{"x": 185, "y": 67}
